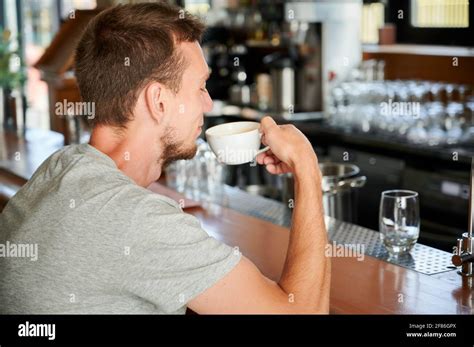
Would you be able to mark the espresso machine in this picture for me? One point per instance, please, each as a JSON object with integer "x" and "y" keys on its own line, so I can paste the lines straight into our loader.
{"x": 324, "y": 47}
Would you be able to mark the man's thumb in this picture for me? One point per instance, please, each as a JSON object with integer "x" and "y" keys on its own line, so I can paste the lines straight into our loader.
{"x": 267, "y": 123}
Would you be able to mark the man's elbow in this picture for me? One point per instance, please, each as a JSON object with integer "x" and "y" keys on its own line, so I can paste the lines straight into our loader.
{"x": 306, "y": 310}
{"x": 314, "y": 305}
{"x": 324, "y": 309}
{"x": 309, "y": 308}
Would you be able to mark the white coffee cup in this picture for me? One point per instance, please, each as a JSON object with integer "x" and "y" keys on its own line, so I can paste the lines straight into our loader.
{"x": 235, "y": 143}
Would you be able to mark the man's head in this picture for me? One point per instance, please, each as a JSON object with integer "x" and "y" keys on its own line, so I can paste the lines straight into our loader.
{"x": 143, "y": 68}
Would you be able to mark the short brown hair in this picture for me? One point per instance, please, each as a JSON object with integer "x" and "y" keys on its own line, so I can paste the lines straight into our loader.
{"x": 144, "y": 36}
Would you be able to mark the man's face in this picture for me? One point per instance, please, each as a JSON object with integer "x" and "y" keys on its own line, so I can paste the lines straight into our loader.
{"x": 186, "y": 111}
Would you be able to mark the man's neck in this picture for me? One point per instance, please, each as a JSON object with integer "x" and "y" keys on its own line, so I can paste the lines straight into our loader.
{"x": 133, "y": 154}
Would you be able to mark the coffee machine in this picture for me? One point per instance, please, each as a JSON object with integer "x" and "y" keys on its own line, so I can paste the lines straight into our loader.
{"x": 325, "y": 46}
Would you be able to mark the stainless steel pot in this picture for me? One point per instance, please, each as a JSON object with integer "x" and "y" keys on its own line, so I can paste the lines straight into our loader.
{"x": 339, "y": 185}
{"x": 340, "y": 193}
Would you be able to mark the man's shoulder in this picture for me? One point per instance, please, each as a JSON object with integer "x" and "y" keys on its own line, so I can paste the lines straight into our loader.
{"x": 147, "y": 201}
{"x": 163, "y": 217}
{"x": 76, "y": 158}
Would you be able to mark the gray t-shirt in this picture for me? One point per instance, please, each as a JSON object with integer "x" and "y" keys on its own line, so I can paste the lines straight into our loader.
{"x": 103, "y": 244}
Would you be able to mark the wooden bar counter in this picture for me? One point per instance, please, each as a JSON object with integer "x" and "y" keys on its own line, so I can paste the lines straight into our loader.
{"x": 368, "y": 286}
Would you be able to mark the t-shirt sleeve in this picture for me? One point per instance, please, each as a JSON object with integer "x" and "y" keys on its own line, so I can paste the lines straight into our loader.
{"x": 171, "y": 259}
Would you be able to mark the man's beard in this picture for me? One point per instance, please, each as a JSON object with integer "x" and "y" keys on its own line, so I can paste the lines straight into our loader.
{"x": 173, "y": 150}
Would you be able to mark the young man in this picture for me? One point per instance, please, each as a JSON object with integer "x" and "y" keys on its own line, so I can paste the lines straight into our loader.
{"x": 108, "y": 245}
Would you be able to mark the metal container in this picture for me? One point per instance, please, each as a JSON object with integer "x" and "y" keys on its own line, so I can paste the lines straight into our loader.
{"x": 239, "y": 94}
{"x": 283, "y": 88}
{"x": 282, "y": 71}
{"x": 339, "y": 185}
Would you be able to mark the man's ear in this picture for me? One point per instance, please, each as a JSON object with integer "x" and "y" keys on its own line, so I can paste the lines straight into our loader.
{"x": 155, "y": 100}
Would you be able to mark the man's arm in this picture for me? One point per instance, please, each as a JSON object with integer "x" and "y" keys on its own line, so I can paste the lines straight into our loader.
{"x": 307, "y": 271}
{"x": 305, "y": 282}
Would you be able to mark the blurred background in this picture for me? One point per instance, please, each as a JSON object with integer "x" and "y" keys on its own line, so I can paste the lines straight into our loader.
{"x": 384, "y": 89}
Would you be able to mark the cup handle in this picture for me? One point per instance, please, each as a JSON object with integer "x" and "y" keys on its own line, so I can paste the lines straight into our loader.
{"x": 262, "y": 150}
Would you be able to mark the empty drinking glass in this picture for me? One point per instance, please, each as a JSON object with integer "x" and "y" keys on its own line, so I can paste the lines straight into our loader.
{"x": 399, "y": 220}
{"x": 201, "y": 178}
{"x": 176, "y": 175}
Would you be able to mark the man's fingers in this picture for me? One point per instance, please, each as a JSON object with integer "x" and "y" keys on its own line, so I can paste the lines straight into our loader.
{"x": 275, "y": 169}
{"x": 271, "y": 168}
{"x": 261, "y": 157}
{"x": 271, "y": 159}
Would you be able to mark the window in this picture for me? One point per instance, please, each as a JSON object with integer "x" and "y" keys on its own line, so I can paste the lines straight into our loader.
{"x": 67, "y": 6}
{"x": 372, "y": 19}
{"x": 197, "y": 7}
{"x": 432, "y": 22}
{"x": 440, "y": 13}
{"x": 40, "y": 20}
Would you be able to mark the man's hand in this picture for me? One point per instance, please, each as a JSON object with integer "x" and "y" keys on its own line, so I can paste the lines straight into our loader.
{"x": 289, "y": 150}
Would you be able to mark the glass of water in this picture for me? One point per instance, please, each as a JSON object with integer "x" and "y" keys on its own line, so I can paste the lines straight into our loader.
{"x": 399, "y": 220}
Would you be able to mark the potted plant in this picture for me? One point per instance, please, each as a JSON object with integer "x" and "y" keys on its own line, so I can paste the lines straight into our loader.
{"x": 12, "y": 76}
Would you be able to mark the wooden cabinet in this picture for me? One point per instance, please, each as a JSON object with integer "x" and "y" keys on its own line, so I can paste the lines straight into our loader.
{"x": 432, "y": 63}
